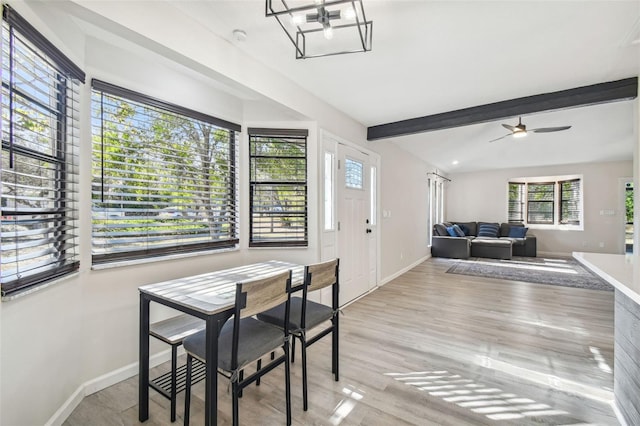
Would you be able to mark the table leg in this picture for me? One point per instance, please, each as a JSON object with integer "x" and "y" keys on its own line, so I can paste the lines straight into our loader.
{"x": 143, "y": 373}
{"x": 211, "y": 379}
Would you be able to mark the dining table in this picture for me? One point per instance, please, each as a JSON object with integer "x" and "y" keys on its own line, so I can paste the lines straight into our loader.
{"x": 211, "y": 297}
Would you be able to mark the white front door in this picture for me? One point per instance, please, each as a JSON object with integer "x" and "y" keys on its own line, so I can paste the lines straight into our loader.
{"x": 356, "y": 240}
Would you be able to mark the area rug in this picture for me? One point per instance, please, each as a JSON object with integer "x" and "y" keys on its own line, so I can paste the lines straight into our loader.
{"x": 554, "y": 271}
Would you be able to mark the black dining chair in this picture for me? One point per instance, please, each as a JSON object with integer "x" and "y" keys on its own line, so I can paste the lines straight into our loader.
{"x": 244, "y": 339}
{"x": 306, "y": 315}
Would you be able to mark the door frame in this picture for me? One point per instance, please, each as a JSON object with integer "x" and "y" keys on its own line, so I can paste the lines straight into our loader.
{"x": 328, "y": 238}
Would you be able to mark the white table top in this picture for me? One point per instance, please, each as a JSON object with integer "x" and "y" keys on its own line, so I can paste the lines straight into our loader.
{"x": 620, "y": 270}
{"x": 213, "y": 292}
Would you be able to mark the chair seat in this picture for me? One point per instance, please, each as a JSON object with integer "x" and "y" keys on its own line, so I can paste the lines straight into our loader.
{"x": 316, "y": 314}
{"x": 256, "y": 339}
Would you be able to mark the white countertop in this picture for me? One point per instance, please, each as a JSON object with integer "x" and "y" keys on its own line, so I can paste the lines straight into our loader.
{"x": 620, "y": 270}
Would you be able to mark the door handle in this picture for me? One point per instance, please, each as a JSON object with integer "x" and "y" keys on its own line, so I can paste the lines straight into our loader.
{"x": 368, "y": 231}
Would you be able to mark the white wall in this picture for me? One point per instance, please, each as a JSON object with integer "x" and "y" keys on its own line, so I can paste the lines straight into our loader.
{"x": 403, "y": 193}
{"x": 70, "y": 337}
{"x": 482, "y": 196}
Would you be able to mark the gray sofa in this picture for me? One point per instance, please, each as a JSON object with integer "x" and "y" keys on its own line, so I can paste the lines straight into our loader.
{"x": 502, "y": 246}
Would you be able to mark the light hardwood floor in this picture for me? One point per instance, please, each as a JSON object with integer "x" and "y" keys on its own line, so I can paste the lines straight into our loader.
{"x": 430, "y": 348}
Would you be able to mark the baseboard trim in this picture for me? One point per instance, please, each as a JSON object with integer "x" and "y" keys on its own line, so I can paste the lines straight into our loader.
{"x": 99, "y": 383}
{"x": 618, "y": 413}
{"x": 404, "y": 270}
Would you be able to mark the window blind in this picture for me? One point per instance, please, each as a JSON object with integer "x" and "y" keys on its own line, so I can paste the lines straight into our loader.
{"x": 278, "y": 187}
{"x": 540, "y": 201}
{"x": 164, "y": 177}
{"x": 570, "y": 201}
{"x": 39, "y": 165}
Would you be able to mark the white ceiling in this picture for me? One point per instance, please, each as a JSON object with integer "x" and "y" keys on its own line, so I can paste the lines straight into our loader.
{"x": 430, "y": 57}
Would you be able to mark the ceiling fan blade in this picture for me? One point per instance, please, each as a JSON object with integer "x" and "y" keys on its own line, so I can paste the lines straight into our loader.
{"x": 508, "y": 127}
{"x": 501, "y": 137}
{"x": 549, "y": 129}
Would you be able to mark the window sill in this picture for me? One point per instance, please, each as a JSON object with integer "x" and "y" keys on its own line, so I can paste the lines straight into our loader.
{"x": 123, "y": 263}
{"x": 39, "y": 287}
{"x": 555, "y": 227}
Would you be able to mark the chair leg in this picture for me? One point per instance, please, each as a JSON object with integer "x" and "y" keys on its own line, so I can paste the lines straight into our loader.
{"x": 235, "y": 395}
{"x": 303, "y": 349}
{"x": 335, "y": 336}
{"x": 187, "y": 390}
{"x": 174, "y": 371}
{"x": 258, "y": 367}
{"x": 293, "y": 350}
{"x": 287, "y": 382}
{"x": 240, "y": 378}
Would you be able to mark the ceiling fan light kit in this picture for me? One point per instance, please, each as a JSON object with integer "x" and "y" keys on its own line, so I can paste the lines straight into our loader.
{"x": 323, "y": 27}
{"x": 520, "y": 130}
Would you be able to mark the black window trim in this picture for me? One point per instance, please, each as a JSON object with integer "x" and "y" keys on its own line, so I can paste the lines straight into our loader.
{"x": 41, "y": 42}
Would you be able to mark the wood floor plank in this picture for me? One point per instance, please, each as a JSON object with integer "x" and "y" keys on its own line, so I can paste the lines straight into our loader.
{"x": 430, "y": 348}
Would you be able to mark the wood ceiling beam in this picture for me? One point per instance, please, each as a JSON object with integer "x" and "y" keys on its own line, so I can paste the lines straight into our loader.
{"x": 580, "y": 96}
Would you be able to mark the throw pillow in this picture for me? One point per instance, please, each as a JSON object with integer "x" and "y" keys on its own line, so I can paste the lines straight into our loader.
{"x": 518, "y": 232}
{"x": 458, "y": 230}
{"x": 465, "y": 229}
{"x": 488, "y": 230}
{"x": 451, "y": 231}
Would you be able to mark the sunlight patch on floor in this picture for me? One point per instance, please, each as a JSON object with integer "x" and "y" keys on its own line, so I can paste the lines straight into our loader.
{"x": 562, "y": 269}
{"x": 346, "y": 405}
{"x": 566, "y": 385}
{"x": 491, "y": 402}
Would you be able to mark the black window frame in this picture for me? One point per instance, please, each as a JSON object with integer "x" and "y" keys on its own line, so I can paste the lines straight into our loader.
{"x": 43, "y": 240}
{"x": 296, "y": 214}
{"x": 227, "y": 203}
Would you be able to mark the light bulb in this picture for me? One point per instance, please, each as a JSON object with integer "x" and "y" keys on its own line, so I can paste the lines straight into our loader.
{"x": 297, "y": 19}
{"x": 328, "y": 32}
{"x": 519, "y": 133}
{"x": 349, "y": 13}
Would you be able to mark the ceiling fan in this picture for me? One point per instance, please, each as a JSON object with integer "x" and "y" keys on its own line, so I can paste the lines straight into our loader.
{"x": 520, "y": 130}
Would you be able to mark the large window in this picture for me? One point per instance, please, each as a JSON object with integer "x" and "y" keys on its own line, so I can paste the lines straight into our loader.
{"x": 278, "y": 187}
{"x": 38, "y": 172}
{"x": 546, "y": 201}
{"x": 164, "y": 177}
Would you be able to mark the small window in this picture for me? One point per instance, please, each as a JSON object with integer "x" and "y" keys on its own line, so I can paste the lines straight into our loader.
{"x": 570, "y": 202}
{"x": 354, "y": 174}
{"x": 328, "y": 191}
{"x": 516, "y": 202}
{"x": 278, "y": 187}
{"x": 374, "y": 197}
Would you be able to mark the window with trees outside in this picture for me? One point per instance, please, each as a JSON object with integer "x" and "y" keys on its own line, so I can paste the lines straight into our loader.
{"x": 546, "y": 201}
{"x": 39, "y": 166}
{"x": 164, "y": 177}
{"x": 278, "y": 187}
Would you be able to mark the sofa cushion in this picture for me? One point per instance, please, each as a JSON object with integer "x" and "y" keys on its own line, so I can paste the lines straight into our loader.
{"x": 488, "y": 230}
{"x": 458, "y": 230}
{"x": 440, "y": 230}
{"x": 518, "y": 232}
{"x": 469, "y": 228}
